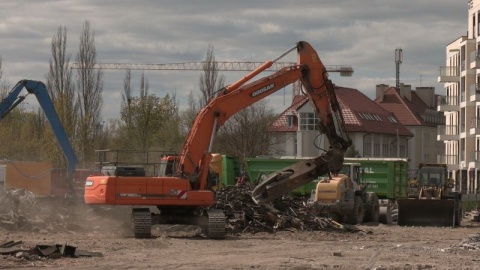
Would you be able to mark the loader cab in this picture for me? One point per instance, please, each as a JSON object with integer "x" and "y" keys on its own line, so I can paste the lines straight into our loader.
{"x": 354, "y": 171}
{"x": 431, "y": 176}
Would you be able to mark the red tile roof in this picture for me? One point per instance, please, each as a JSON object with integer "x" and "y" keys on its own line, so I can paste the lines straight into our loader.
{"x": 407, "y": 111}
{"x": 280, "y": 123}
{"x": 360, "y": 114}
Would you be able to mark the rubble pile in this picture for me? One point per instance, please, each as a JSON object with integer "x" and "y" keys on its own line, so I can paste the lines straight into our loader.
{"x": 16, "y": 249}
{"x": 287, "y": 213}
{"x": 472, "y": 242}
{"x": 15, "y": 204}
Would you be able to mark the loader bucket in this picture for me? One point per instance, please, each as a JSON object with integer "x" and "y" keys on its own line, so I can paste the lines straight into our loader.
{"x": 421, "y": 212}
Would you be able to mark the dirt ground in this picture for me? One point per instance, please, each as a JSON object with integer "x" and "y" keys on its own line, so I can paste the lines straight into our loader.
{"x": 374, "y": 246}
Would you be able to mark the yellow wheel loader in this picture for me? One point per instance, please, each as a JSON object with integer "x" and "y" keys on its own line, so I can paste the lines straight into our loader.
{"x": 342, "y": 198}
{"x": 431, "y": 201}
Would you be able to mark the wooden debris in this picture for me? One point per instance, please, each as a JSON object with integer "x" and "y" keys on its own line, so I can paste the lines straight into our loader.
{"x": 287, "y": 213}
{"x": 47, "y": 251}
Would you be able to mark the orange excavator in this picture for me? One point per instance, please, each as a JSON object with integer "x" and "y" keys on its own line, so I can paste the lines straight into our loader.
{"x": 180, "y": 195}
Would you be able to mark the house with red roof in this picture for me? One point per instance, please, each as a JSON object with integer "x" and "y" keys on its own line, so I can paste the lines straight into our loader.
{"x": 374, "y": 131}
{"x": 417, "y": 111}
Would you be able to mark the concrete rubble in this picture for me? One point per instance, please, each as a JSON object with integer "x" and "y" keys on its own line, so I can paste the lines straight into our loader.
{"x": 472, "y": 242}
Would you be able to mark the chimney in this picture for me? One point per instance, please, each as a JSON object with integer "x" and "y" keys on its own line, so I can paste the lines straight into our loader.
{"x": 427, "y": 95}
{"x": 406, "y": 91}
{"x": 380, "y": 91}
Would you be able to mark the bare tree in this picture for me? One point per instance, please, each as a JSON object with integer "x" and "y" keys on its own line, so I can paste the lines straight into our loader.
{"x": 188, "y": 115}
{"x": 3, "y": 85}
{"x": 144, "y": 86}
{"x": 60, "y": 84}
{"x": 210, "y": 82}
{"x": 90, "y": 88}
{"x": 127, "y": 89}
{"x": 246, "y": 133}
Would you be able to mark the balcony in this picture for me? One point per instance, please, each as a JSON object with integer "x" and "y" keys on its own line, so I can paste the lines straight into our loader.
{"x": 475, "y": 126}
{"x": 448, "y": 133}
{"x": 474, "y": 159}
{"x": 449, "y": 74}
{"x": 475, "y": 92}
{"x": 475, "y": 60}
{"x": 448, "y": 103}
{"x": 475, "y": 156}
{"x": 448, "y": 159}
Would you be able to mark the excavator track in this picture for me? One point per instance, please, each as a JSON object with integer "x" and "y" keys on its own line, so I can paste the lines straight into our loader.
{"x": 142, "y": 222}
{"x": 216, "y": 224}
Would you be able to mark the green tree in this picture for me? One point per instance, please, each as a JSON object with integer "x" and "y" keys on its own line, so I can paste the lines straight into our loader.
{"x": 146, "y": 114}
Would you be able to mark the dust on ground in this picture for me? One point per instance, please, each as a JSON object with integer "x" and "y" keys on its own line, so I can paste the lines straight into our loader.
{"x": 107, "y": 230}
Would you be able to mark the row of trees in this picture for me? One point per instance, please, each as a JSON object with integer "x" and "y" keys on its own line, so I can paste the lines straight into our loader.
{"x": 146, "y": 121}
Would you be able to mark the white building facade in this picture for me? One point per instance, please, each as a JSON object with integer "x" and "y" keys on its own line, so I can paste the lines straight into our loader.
{"x": 461, "y": 106}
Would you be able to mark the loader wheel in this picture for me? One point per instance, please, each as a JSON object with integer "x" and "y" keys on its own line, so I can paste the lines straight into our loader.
{"x": 356, "y": 217}
{"x": 372, "y": 208}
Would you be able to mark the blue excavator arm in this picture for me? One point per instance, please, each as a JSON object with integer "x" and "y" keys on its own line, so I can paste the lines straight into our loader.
{"x": 38, "y": 88}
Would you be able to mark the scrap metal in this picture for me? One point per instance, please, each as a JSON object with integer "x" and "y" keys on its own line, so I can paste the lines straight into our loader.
{"x": 288, "y": 213}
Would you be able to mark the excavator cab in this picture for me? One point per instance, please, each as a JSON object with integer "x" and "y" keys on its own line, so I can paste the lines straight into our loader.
{"x": 167, "y": 165}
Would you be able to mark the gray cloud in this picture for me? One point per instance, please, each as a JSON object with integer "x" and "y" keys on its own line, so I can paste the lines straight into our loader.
{"x": 363, "y": 34}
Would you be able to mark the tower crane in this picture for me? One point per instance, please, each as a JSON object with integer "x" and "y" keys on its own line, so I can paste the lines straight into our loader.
{"x": 344, "y": 70}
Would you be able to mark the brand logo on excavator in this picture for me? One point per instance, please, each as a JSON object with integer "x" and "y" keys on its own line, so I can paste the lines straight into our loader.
{"x": 262, "y": 90}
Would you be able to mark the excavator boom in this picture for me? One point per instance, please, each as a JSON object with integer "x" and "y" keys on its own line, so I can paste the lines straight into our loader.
{"x": 321, "y": 94}
{"x": 12, "y": 99}
{"x": 239, "y": 95}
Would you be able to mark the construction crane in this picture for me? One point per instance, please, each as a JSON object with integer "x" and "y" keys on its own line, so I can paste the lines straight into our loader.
{"x": 344, "y": 70}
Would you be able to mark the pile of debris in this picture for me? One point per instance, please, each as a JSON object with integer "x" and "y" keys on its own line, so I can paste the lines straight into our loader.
{"x": 15, "y": 248}
{"x": 472, "y": 242}
{"x": 284, "y": 214}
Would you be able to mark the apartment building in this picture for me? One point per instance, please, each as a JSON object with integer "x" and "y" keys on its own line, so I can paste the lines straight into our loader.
{"x": 461, "y": 105}
{"x": 416, "y": 109}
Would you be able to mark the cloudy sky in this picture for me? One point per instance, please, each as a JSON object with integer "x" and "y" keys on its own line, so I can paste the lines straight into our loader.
{"x": 363, "y": 34}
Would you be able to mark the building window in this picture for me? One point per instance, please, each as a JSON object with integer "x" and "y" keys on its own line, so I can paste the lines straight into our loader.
{"x": 376, "y": 149}
{"x": 308, "y": 121}
{"x": 393, "y": 150}
{"x": 385, "y": 152}
{"x": 367, "y": 149}
{"x": 290, "y": 120}
{"x": 403, "y": 151}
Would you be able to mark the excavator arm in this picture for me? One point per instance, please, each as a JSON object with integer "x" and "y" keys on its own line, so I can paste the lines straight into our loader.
{"x": 312, "y": 73}
{"x": 321, "y": 93}
{"x": 37, "y": 88}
